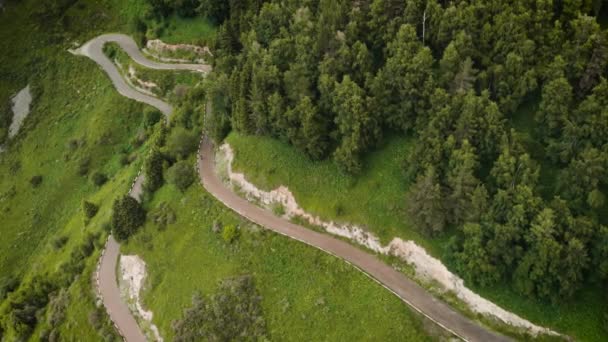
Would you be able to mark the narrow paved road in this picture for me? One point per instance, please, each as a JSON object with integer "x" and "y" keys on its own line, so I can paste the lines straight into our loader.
{"x": 394, "y": 281}
{"x": 107, "y": 286}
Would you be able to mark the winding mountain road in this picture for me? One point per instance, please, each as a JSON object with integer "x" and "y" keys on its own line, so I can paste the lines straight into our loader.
{"x": 410, "y": 292}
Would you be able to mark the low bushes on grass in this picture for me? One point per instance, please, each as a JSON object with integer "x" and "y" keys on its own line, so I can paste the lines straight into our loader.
{"x": 233, "y": 313}
{"x": 182, "y": 175}
{"x": 163, "y": 215}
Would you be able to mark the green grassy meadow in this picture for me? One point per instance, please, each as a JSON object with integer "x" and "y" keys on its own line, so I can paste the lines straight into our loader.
{"x": 307, "y": 294}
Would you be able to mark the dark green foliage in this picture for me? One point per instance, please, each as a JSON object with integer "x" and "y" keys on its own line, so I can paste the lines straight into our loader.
{"x": 6, "y": 116}
{"x": 20, "y": 315}
{"x": 151, "y": 117}
{"x": 89, "y": 209}
{"x": 127, "y": 216}
{"x": 84, "y": 164}
{"x": 425, "y": 204}
{"x": 153, "y": 170}
{"x": 182, "y": 175}
{"x": 36, "y": 181}
{"x": 182, "y": 143}
{"x": 99, "y": 178}
{"x": 333, "y": 77}
{"x": 234, "y": 312}
{"x": 8, "y": 285}
{"x": 59, "y": 242}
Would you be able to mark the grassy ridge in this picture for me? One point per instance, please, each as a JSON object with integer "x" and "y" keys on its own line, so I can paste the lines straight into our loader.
{"x": 307, "y": 295}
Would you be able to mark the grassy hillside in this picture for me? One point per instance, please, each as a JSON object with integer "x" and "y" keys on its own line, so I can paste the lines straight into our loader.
{"x": 376, "y": 199}
{"x": 306, "y": 294}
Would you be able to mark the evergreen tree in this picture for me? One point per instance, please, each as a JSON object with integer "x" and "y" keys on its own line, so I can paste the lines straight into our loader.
{"x": 425, "y": 204}
{"x": 153, "y": 170}
{"x": 127, "y": 216}
{"x": 357, "y": 128}
{"x": 461, "y": 182}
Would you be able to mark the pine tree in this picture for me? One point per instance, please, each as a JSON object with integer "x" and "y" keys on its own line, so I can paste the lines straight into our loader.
{"x": 153, "y": 170}
{"x": 461, "y": 182}
{"x": 425, "y": 204}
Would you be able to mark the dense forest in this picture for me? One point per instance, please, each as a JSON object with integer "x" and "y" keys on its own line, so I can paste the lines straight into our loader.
{"x": 334, "y": 77}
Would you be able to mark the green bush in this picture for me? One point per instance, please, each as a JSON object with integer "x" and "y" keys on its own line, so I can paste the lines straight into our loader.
{"x": 163, "y": 215}
{"x": 99, "y": 178}
{"x": 153, "y": 170}
{"x": 59, "y": 242}
{"x": 182, "y": 175}
{"x": 230, "y": 233}
{"x": 127, "y": 216}
{"x": 151, "y": 117}
{"x": 182, "y": 143}
{"x": 8, "y": 285}
{"x": 83, "y": 166}
{"x": 232, "y": 313}
{"x": 89, "y": 209}
{"x": 36, "y": 181}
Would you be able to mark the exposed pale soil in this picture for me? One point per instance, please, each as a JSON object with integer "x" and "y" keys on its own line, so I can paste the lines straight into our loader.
{"x": 21, "y": 108}
{"x": 427, "y": 267}
{"x": 132, "y": 276}
{"x": 159, "y": 50}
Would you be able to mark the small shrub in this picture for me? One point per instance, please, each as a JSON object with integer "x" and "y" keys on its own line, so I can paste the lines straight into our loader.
{"x": 151, "y": 117}
{"x": 57, "y": 307}
{"x": 231, "y": 314}
{"x": 182, "y": 175}
{"x": 278, "y": 209}
{"x": 8, "y": 285}
{"x": 230, "y": 233}
{"x": 139, "y": 139}
{"x": 124, "y": 159}
{"x": 36, "y": 181}
{"x": 153, "y": 170}
{"x": 89, "y": 209}
{"x": 99, "y": 178}
{"x": 182, "y": 143}
{"x": 83, "y": 166}
{"x": 59, "y": 242}
{"x": 15, "y": 167}
{"x": 339, "y": 209}
{"x": 163, "y": 215}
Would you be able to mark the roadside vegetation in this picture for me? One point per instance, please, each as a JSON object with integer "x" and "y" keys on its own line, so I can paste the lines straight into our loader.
{"x": 498, "y": 109}
{"x": 303, "y": 293}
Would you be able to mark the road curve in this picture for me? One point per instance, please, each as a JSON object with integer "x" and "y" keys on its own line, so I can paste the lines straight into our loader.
{"x": 394, "y": 281}
{"x": 94, "y": 50}
{"x": 107, "y": 281}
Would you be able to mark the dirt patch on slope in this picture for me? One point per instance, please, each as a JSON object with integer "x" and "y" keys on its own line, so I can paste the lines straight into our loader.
{"x": 132, "y": 276}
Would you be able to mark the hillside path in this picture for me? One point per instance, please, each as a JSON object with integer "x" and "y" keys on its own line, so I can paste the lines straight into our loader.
{"x": 107, "y": 283}
{"x": 406, "y": 289}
